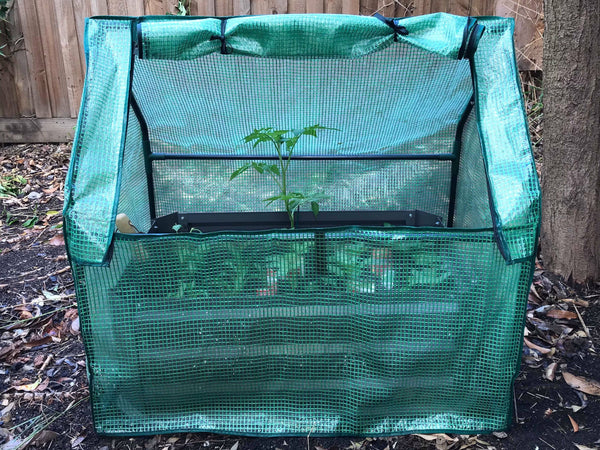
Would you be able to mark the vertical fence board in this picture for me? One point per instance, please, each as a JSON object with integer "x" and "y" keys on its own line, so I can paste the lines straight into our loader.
{"x": 135, "y": 7}
{"x": 333, "y": 6}
{"x": 35, "y": 60}
{"x": 241, "y": 7}
{"x": 117, "y": 7}
{"x": 278, "y": 7}
{"x": 315, "y": 6}
{"x": 154, "y": 7}
{"x": 296, "y": 6}
{"x": 223, "y": 7}
{"x": 205, "y": 7}
{"x": 67, "y": 34}
{"x": 368, "y": 7}
{"x": 351, "y": 7}
{"x": 81, "y": 10}
{"x": 98, "y": 7}
{"x": 483, "y": 7}
{"x": 9, "y": 105}
{"x": 386, "y": 8}
{"x": 460, "y": 7}
{"x": 260, "y": 7}
{"x": 422, "y": 7}
{"x": 52, "y": 59}
{"x": 22, "y": 78}
{"x": 404, "y": 8}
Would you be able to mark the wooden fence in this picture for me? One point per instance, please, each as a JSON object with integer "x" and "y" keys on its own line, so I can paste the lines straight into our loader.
{"x": 42, "y": 72}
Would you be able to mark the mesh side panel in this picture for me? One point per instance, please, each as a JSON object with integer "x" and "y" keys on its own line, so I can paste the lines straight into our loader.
{"x": 344, "y": 332}
{"x": 204, "y": 186}
{"x": 513, "y": 178}
{"x": 92, "y": 183}
{"x": 472, "y": 201}
{"x": 133, "y": 198}
{"x": 398, "y": 100}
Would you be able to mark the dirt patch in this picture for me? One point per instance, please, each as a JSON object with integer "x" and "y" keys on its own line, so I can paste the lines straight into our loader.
{"x": 43, "y": 381}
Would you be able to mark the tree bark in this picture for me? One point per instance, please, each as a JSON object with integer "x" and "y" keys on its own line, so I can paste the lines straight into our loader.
{"x": 571, "y": 161}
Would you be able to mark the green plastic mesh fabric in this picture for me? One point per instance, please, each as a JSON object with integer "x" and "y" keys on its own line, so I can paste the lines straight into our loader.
{"x": 333, "y": 331}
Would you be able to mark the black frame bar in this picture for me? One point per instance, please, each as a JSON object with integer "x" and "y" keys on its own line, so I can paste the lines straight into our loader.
{"x": 456, "y": 161}
{"x": 379, "y": 157}
{"x": 147, "y": 152}
{"x": 255, "y": 221}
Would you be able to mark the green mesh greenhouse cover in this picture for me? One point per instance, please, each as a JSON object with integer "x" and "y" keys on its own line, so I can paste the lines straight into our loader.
{"x": 398, "y": 308}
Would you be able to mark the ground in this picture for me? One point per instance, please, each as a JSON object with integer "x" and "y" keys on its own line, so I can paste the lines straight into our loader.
{"x": 43, "y": 386}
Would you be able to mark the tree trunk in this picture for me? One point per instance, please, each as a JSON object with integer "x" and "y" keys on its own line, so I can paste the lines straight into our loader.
{"x": 571, "y": 165}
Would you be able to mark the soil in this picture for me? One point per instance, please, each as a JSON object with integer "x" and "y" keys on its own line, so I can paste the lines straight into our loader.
{"x": 43, "y": 382}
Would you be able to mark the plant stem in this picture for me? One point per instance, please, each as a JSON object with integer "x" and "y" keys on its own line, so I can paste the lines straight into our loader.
{"x": 283, "y": 170}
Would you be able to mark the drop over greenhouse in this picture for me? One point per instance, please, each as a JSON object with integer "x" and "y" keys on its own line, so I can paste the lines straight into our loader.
{"x": 334, "y": 224}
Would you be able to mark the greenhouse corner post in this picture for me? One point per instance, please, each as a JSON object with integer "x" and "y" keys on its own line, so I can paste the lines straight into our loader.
{"x": 137, "y": 49}
{"x": 456, "y": 161}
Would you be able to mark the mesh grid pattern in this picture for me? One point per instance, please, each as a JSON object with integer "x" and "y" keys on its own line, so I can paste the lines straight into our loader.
{"x": 397, "y": 334}
{"x": 233, "y": 94}
{"x": 204, "y": 186}
{"x": 134, "y": 186}
{"x": 513, "y": 179}
{"x": 92, "y": 182}
{"x": 472, "y": 201}
{"x": 336, "y": 331}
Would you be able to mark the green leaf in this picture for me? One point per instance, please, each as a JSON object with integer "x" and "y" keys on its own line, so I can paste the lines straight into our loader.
{"x": 274, "y": 169}
{"x": 290, "y": 143}
{"x": 315, "y": 208}
{"x": 240, "y": 171}
{"x": 29, "y": 223}
{"x": 259, "y": 167}
{"x": 273, "y": 199}
{"x": 176, "y": 228}
{"x": 295, "y": 202}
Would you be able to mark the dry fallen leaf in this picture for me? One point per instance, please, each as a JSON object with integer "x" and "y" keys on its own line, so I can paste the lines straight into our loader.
{"x": 433, "y": 437}
{"x": 573, "y": 424}
{"x": 44, "y": 437}
{"x": 235, "y": 446}
{"x": 542, "y": 350}
{"x": 57, "y": 240}
{"x": 582, "y": 384}
{"x": 561, "y": 314}
{"x": 43, "y": 385}
{"x": 29, "y": 387}
{"x": 75, "y": 326}
{"x": 76, "y": 441}
{"x": 576, "y": 301}
{"x": 550, "y": 371}
{"x": 584, "y": 447}
{"x": 37, "y": 342}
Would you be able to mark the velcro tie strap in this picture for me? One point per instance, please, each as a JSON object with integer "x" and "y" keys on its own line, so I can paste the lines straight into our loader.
{"x": 471, "y": 36}
{"x": 393, "y": 24}
{"x": 222, "y": 37}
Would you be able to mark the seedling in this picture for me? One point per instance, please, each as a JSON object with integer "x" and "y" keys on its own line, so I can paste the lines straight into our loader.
{"x": 284, "y": 146}
{"x": 11, "y": 185}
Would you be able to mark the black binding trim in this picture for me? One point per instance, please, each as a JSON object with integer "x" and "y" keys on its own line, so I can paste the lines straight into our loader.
{"x": 471, "y": 22}
{"x": 398, "y": 29}
{"x": 138, "y": 40}
{"x": 474, "y": 41}
{"x": 222, "y": 37}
